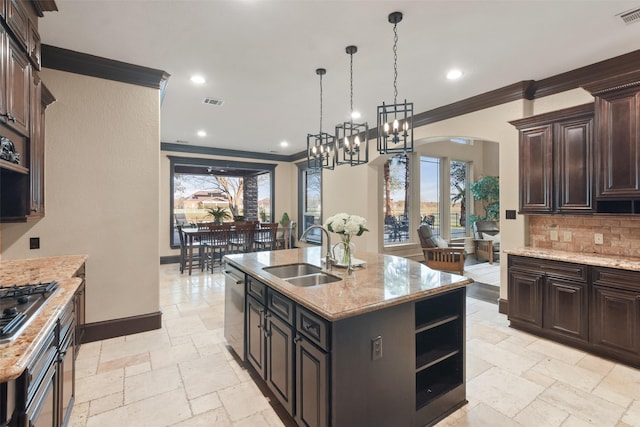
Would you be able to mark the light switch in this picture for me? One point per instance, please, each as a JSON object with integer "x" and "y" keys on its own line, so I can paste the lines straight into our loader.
{"x": 376, "y": 348}
{"x": 566, "y": 236}
{"x": 599, "y": 238}
{"x": 554, "y": 235}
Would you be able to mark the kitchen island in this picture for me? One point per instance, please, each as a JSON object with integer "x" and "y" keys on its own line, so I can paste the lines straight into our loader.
{"x": 384, "y": 345}
{"x": 37, "y": 366}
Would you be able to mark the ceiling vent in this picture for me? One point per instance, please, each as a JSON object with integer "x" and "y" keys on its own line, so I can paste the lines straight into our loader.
{"x": 630, "y": 16}
{"x": 213, "y": 101}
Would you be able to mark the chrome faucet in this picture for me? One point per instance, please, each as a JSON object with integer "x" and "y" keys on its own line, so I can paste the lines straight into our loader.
{"x": 328, "y": 259}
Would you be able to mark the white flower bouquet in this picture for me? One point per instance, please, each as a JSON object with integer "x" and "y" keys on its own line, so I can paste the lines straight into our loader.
{"x": 346, "y": 224}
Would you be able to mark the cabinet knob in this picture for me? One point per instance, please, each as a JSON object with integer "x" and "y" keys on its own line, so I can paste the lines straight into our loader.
{"x": 296, "y": 339}
{"x": 9, "y": 117}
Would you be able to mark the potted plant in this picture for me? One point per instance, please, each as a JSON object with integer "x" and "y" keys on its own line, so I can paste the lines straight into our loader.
{"x": 219, "y": 214}
{"x": 284, "y": 221}
{"x": 487, "y": 191}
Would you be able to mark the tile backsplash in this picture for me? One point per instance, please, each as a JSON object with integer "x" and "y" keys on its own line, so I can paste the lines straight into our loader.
{"x": 621, "y": 233}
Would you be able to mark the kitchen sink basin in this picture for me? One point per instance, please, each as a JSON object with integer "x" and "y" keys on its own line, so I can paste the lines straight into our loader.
{"x": 312, "y": 279}
{"x": 292, "y": 270}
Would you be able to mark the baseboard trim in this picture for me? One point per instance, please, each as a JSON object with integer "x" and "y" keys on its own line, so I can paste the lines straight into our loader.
{"x": 170, "y": 259}
{"x": 119, "y": 327}
{"x": 503, "y": 305}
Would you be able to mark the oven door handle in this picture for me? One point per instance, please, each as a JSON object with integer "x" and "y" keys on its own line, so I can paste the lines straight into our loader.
{"x": 233, "y": 277}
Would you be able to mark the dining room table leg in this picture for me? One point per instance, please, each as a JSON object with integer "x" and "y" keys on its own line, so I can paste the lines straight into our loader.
{"x": 190, "y": 253}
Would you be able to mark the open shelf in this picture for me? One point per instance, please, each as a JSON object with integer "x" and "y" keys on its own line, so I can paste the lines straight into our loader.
{"x": 434, "y": 344}
{"x": 432, "y": 311}
{"x": 436, "y": 322}
{"x": 438, "y": 380}
{"x": 437, "y": 355}
{"x": 13, "y": 167}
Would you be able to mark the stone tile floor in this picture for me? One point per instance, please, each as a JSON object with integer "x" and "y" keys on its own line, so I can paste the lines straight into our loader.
{"x": 184, "y": 375}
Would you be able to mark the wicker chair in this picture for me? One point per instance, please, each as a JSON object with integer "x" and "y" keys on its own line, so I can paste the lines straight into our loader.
{"x": 439, "y": 258}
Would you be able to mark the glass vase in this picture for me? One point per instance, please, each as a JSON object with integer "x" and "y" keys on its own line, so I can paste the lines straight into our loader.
{"x": 345, "y": 259}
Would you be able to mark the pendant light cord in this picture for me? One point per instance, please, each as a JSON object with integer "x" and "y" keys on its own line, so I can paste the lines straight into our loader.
{"x": 395, "y": 63}
{"x": 351, "y": 83}
{"x": 320, "y": 104}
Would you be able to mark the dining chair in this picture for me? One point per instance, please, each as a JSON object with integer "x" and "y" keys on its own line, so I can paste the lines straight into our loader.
{"x": 242, "y": 238}
{"x": 187, "y": 246}
{"x": 264, "y": 237}
{"x": 217, "y": 244}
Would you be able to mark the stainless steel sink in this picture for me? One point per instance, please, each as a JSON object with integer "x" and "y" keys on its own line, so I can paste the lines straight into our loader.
{"x": 313, "y": 279}
{"x": 292, "y": 270}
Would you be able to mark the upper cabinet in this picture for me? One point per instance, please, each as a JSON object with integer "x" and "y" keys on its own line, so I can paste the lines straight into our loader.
{"x": 617, "y": 166}
{"x": 556, "y": 151}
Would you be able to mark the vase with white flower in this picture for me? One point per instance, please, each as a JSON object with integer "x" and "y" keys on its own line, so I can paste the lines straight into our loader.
{"x": 346, "y": 226}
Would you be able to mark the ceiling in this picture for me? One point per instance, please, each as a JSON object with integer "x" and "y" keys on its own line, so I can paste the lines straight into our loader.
{"x": 260, "y": 56}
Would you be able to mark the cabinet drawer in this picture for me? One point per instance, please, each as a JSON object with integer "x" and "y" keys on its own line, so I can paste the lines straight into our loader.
{"x": 67, "y": 319}
{"x": 614, "y": 278}
{"x": 565, "y": 270}
{"x": 313, "y": 327}
{"x": 257, "y": 289}
{"x": 38, "y": 367}
{"x": 280, "y": 305}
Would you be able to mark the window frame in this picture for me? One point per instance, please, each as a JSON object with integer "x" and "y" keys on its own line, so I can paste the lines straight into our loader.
{"x": 303, "y": 169}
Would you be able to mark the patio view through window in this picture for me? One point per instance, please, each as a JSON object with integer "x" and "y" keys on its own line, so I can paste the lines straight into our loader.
{"x": 396, "y": 200}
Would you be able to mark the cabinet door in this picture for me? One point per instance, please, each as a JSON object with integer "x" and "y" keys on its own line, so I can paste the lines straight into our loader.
{"x": 67, "y": 373}
{"x": 36, "y": 150}
{"x": 525, "y": 297}
{"x": 615, "y": 321}
{"x": 536, "y": 169}
{"x": 566, "y": 308}
{"x": 618, "y": 144}
{"x": 255, "y": 335}
{"x": 312, "y": 382}
{"x": 280, "y": 369}
{"x": 18, "y": 89}
{"x": 574, "y": 170}
{"x": 4, "y": 52}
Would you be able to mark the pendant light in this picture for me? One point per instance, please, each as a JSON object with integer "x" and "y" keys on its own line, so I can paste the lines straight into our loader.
{"x": 321, "y": 146}
{"x": 352, "y": 139}
{"x": 395, "y": 121}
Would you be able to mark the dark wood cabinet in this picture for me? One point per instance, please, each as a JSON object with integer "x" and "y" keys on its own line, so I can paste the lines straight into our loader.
{"x": 18, "y": 87}
{"x": 555, "y": 161}
{"x": 593, "y": 308}
{"x": 525, "y": 297}
{"x": 279, "y": 360}
{"x": 312, "y": 384}
{"x": 255, "y": 342}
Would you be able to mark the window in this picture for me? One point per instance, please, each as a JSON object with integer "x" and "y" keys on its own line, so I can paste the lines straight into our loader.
{"x": 459, "y": 196}
{"x": 310, "y": 202}
{"x": 430, "y": 193}
{"x": 396, "y": 200}
{"x": 243, "y": 189}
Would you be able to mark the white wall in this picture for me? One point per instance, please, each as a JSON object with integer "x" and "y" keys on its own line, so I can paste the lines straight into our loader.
{"x": 102, "y": 193}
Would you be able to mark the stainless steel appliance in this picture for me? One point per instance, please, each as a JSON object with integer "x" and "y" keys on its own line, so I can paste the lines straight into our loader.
{"x": 234, "y": 290}
{"x": 18, "y": 305}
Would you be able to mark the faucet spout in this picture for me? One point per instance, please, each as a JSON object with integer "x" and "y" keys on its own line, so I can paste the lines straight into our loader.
{"x": 328, "y": 261}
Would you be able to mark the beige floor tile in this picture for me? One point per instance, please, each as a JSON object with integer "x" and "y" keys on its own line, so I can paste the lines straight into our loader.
{"x": 497, "y": 356}
{"x": 123, "y": 362}
{"x": 161, "y": 410}
{"x": 486, "y": 333}
{"x": 251, "y": 421}
{"x": 182, "y": 326}
{"x": 538, "y": 378}
{"x": 483, "y": 416}
{"x": 205, "y": 403}
{"x": 621, "y": 385}
{"x": 596, "y": 364}
{"x": 158, "y": 381}
{"x": 208, "y": 337}
{"x": 632, "y": 416}
{"x": 539, "y": 414}
{"x": 99, "y": 385}
{"x": 90, "y": 349}
{"x": 173, "y": 355}
{"x": 106, "y": 403}
{"x": 584, "y": 406}
{"x": 476, "y": 366}
{"x": 503, "y": 391}
{"x": 86, "y": 365}
{"x": 557, "y": 351}
{"x": 207, "y": 374}
{"x": 576, "y": 376}
{"x": 216, "y": 418}
{"x": 235, "y": 400}
{"x": 137, "y": 369}
{"x": 79, "y": 415}
{"x": 271, "y": 419}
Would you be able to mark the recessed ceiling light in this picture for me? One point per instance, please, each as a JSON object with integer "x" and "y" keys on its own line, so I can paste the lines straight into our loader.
{"x": 202, "y": 133}
{"x": 284, "y": 144}
{"x": 454, "y": 74}
{"x": 197, "y": 79}
{"x": 355, "y": 115}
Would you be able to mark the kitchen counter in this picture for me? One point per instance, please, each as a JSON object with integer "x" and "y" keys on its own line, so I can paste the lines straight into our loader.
{"x": 384, "y": 281}
{"x": 15, "y": 355}
{"x": 598, "y": 260}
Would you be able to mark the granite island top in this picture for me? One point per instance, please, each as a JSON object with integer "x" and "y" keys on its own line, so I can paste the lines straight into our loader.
{"x": 15, "y": 355}
{"x": 598, "y": 260}
{"x": 384, "y": 281}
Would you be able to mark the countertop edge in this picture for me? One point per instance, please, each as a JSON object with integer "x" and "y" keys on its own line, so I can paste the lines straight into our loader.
{"x": 597, "y": 260}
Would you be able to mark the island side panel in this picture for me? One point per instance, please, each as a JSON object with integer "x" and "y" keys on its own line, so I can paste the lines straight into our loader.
{"x": 374, "y": 392}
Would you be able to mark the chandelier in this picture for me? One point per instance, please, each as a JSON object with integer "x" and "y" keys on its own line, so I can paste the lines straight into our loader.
{"x": 321, "y": 146}
{"x": 395, "y": 121}
{"x": 352, "y": 138}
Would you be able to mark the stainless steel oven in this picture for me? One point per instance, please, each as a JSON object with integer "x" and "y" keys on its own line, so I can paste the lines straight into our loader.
{"x": 234, "y": 284}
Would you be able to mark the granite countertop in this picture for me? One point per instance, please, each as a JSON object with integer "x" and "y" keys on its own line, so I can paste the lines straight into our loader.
{"x": 15, "y": 355}
{"x": 598, "y": 260}
{"x": 384, "y": 281}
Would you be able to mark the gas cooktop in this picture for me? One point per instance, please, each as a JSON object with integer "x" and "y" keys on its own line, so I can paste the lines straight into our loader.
{"x": 19, "y": 304}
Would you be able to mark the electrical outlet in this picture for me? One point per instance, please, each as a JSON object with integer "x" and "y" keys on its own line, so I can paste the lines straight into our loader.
{"x": 598, "y": 238}
{"x": 376, "y": 348}
{"x": 566, "y": 236}
{"x": 554, "y": 235}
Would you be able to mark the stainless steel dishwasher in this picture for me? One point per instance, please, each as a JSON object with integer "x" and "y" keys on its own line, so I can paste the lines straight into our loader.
{"x": 234, "y": 308}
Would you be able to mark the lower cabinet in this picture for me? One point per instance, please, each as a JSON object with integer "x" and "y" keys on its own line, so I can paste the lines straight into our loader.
{"x": 594, "y": 308}
{"x": 312, "y": 384}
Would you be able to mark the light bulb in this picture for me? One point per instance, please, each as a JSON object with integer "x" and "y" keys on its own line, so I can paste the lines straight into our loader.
{"x": 405, "y": 126}
{"x": 346, "y": 142}
{"x": 396, "y": 125}
{"x": 386, "y": 128}
{"x": 356, "y": 142}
